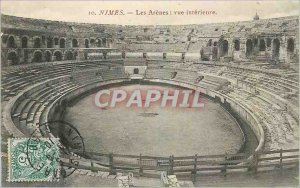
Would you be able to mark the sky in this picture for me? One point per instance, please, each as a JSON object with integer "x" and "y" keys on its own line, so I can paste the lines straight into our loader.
{"x": 78, "y": 11}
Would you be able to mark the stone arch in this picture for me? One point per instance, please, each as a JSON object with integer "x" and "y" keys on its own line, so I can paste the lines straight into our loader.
{"x": 236, "y": 45}
{"x": 11, "y": 42}
{"x": 37, "y": 56}
{"x": 62, "y": 43}
{"x": 224, "y": 48}
{"x": 24, "y": 42}
{"x": 68, "y": 55}
{"x": 276, "y": 48}
{"x": 13, "y": 58}
{"x": 290, "y": 45}
{"x": 209, "y": 42}
{"x": 58, "y": 55}
{"x": 37, "y": 42}
{"x": 92, "y": 42}
{"x": 48, "y": 56}
{"x": 249, "y": 47}
{"x": 87, "y": 43}
{"x": 74, "y": 43}
{"x": 56, "y": 41}
{"x": 262, "y": 45}
{"x": 136, "y": 71}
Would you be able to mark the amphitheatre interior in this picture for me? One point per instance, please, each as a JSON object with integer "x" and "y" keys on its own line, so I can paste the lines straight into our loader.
{"x": 247, "y": 71}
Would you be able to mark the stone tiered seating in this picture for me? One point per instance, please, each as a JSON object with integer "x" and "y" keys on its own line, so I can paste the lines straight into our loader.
{"x": 113, "y": 73}
{"x": 159, "y": 73}
{"x": 280, "y": 133}
{"x": 28, "y": 110}
{"x": 17, "y": 80}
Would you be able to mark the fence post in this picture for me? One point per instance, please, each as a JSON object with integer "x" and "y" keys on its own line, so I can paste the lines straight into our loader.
{"x": 194, "y": 173}
{"x": 171, "y": 163}
{"x": 140, "y": 165}
{"x": 225, "y": 165}
{"x": 111, "y": 164}
{"x": 256, "y": 159}
{"x": 92, "y": 167}
{"x": 280, "y": 162}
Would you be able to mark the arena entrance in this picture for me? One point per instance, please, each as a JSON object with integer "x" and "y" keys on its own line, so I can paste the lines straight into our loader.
{"x": 58, "y": 55}
{"x": 275, "y": 49}
{"x": 224, "y": 48}
{"x": 136, "y": 71}
{"x": 12, "y": 58}
{"x": 37, "y": 57}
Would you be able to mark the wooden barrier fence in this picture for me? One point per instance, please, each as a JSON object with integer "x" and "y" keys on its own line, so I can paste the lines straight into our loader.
{"x": 192, "y": 166}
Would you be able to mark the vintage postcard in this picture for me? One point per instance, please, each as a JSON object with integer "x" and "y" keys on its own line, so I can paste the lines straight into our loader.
{"x": 149, "y": 93}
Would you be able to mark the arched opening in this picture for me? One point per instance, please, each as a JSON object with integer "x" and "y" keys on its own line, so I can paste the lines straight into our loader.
{"x": 249, "y": 47}
{"x": 85, "y": 55}
{"x": 236, "y": 45}
{"x": 87, "y": 43}
{"x": 24, "y": 42}
{"x": 209, "y": 42}
{"x": 290, "y": 45}
{"x": 214, "y": 53}
{"x": 92, "y": 42}
{"x": 37, "y": 43}
{"x": 37, "y": 57}
{"x": 11, "y": 42}
{"x": 99, "y": 42}
{"x": 215, "y": 43}
{"x": 48, "y": 56}
{"x": 69, "y": 55}
{"x": 74, "y": 43}
{"x": 58, "y": 55}
{"x": 276, "y": 48}
{"x": 135, "y": 71}
{"x": 62, "y": 43}
{"x": 224, "y": 48}
{"x": 49, "y": 42}
{"x": 262, "y": 45}
{"x": 104, "y": 42}
{"x": 13, "y": 58}
{"x": 56, "y": 41}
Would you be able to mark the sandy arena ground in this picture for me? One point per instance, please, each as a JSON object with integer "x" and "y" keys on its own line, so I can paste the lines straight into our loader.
{"x": 181, "y": 132}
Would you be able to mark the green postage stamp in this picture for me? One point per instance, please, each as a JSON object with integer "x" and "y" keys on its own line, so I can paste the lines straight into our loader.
{"x": 32, "y": 159}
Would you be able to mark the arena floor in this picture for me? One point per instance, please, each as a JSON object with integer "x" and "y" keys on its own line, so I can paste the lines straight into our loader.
{"x": 181, "y": 132}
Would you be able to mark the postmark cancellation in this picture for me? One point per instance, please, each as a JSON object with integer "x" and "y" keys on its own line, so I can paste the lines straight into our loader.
{"x": 33, "y": 159}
